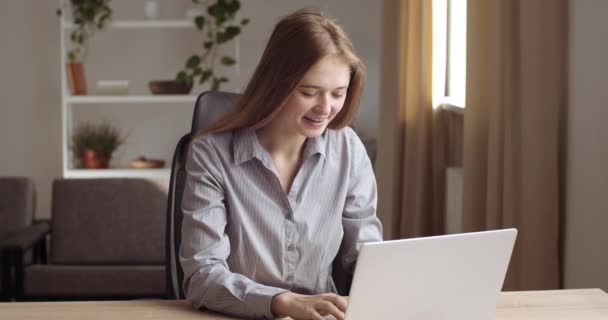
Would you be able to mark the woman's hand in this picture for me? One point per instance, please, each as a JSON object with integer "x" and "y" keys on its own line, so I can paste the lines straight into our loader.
{"x": 305, "y": 307}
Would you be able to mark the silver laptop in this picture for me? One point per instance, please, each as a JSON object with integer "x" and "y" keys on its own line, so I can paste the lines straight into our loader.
{"x": 453, "y": 277}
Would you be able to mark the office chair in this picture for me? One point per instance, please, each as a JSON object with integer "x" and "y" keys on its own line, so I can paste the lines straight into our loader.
{"x": 210, "y": 106}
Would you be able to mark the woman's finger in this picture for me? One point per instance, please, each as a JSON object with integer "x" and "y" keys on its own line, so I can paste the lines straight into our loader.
{"x": 328, "y": 307}
{"x": 314, "y": 315}
{"x": 338, "y": 301}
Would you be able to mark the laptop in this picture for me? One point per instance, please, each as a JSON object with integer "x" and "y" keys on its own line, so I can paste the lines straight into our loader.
{"x": 457, "y": 276}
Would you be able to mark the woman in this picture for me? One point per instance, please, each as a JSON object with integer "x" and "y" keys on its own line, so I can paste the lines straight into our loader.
{"x": 275, "y": 187}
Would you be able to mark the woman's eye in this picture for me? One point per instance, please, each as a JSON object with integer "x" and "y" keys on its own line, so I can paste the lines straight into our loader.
{"x": 338, "y": 95}
{"x": 307, "y": 94}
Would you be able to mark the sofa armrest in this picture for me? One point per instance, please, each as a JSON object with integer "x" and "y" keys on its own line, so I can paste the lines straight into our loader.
{"x": 17, "y": 244}
{"x": 13, "y": 249}
{"x": 25, "y": 238}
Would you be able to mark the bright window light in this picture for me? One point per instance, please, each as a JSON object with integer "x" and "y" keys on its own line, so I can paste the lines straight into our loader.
{"x": 440, "y": 19}
{"x": 457, "y": 48}
{"x": 449, "y": 52}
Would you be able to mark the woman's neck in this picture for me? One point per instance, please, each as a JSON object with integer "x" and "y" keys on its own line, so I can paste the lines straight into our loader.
{"x": 281, "y": 143}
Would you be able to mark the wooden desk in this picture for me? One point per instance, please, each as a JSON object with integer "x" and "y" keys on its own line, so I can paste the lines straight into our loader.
{"x": 587, "y": 304}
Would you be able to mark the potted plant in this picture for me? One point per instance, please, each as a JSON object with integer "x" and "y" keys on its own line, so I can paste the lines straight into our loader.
{"x": 219, "y": 26}
{"x": 93, "y": 145}
{"x": 88, "y": 16}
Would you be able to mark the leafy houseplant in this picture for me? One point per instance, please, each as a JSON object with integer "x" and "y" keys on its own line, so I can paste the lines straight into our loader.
{"x": 219, "y": 27}
{"x": 88, "y": 17}
{"x": 93, "y": 145}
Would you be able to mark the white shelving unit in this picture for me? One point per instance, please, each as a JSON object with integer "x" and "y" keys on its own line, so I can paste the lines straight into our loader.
{"x": 112, "y": 173}
{"x": 131, "y": 99}
{"x": 145, "y": 24}
{"x": 69, "y": 102}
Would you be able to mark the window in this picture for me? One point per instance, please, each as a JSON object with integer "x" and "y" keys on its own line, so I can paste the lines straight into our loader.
{"x": 449, "y": 52}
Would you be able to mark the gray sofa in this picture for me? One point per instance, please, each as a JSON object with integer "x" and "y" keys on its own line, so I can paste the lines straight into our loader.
{"x": 107, "y": 242}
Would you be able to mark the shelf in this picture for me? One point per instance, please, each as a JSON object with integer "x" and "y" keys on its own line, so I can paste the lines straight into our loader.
{"x": 137, "y": 99}
{"x": 132, "y": 99}
{"x": 118, "y": 173}
{"x": 145, "y": 24}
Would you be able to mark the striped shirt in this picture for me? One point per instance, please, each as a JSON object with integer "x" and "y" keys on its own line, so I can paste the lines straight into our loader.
{"x": 245, "y": 240}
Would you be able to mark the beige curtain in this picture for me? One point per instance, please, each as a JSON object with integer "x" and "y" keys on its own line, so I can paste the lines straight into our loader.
{"x": 410, "y": 165}
{"x": 516, "y": 87}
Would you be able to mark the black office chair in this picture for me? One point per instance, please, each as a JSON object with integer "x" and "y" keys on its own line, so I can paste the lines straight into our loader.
{"x": 209, "y": 107}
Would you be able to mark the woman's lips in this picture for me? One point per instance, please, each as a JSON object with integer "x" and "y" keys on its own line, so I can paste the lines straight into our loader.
{"x": 314, "y": 119}
{"x": 315, "y": 122}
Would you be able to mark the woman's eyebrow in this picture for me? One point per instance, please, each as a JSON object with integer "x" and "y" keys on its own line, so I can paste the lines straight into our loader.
{"x": 310, "y": 86}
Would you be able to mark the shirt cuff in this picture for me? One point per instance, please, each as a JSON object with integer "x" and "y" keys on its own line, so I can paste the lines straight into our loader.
{"x": 258, "y": 301}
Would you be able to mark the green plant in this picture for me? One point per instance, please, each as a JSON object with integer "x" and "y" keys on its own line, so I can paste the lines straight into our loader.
{"x": 103, "y": 138}
{"x": 88, "y": 16}
{"x": 219, "y": 27}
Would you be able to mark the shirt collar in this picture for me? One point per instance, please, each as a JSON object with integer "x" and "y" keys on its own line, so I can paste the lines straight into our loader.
{"x": 315, "y": 145}
{"x": 246, "y": 146}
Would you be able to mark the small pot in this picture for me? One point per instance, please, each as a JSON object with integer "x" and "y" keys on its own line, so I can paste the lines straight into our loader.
{"x": 92, "y": 160}
{"x": 76, "y": 79}
{"x": 169, "y": 87}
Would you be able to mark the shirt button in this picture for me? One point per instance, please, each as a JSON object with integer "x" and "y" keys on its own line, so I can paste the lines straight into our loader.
{"x": 291, "y": 247}
{"x": 290, "y": 278}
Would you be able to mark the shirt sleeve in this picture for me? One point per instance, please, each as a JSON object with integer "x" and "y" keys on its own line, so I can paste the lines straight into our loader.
{"x": 359, "y": 218}
{"x": 208, "y": 281}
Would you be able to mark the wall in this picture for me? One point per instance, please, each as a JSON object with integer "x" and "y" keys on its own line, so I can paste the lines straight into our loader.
{"x": 30, "y": 118}
{"x": 586, "y": 236}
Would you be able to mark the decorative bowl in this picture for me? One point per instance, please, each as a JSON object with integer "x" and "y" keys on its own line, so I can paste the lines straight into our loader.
{"x": 145, "y": 163}
{"x": 169, "y": 87}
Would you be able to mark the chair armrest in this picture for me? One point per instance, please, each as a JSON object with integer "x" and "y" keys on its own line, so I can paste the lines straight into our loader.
{"x": 25, "y": 238}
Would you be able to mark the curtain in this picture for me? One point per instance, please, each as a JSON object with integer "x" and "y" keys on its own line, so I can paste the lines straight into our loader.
{"x": 513, "y": 129}
{"x": 410, "y": 158}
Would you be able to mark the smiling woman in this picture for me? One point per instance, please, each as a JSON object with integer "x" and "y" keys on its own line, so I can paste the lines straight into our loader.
{"x": 295, "y": 46}
{"x": 314, "y": 103}
{"x": 278, "y": 186}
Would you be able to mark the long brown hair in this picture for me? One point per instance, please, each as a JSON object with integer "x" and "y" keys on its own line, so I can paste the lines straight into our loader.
{"x": 298, "y": 41}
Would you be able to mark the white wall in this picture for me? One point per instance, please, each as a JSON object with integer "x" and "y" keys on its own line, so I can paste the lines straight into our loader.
{"x": 30, "y": 119}
{"x": 586, "y": 255}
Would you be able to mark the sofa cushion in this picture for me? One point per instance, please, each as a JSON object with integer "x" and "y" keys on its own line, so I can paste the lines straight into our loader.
{"x": 95, "y": 281}
{"x": 16, "y": 204}
{"x": 108, "y": 222}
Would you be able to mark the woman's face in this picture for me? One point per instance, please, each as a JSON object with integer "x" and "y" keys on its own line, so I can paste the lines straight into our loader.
{"x": 317, "y": 99}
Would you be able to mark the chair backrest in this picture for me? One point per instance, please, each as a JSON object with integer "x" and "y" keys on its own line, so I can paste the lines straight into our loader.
{"x": 17, "y": 204}
{"x": 209, "y": 107}
{"x": 118, "y": 221}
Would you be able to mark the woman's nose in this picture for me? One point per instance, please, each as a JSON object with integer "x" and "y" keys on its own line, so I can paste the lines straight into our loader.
{"x": 324, "y": 105}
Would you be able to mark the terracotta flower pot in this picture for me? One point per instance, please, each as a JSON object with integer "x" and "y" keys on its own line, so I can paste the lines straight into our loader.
{"x": 92, "y": 160}
{"x": 76, "y": 79}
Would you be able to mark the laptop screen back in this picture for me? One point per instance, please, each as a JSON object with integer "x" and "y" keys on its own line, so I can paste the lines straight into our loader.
{"x": 456, "y": 276}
